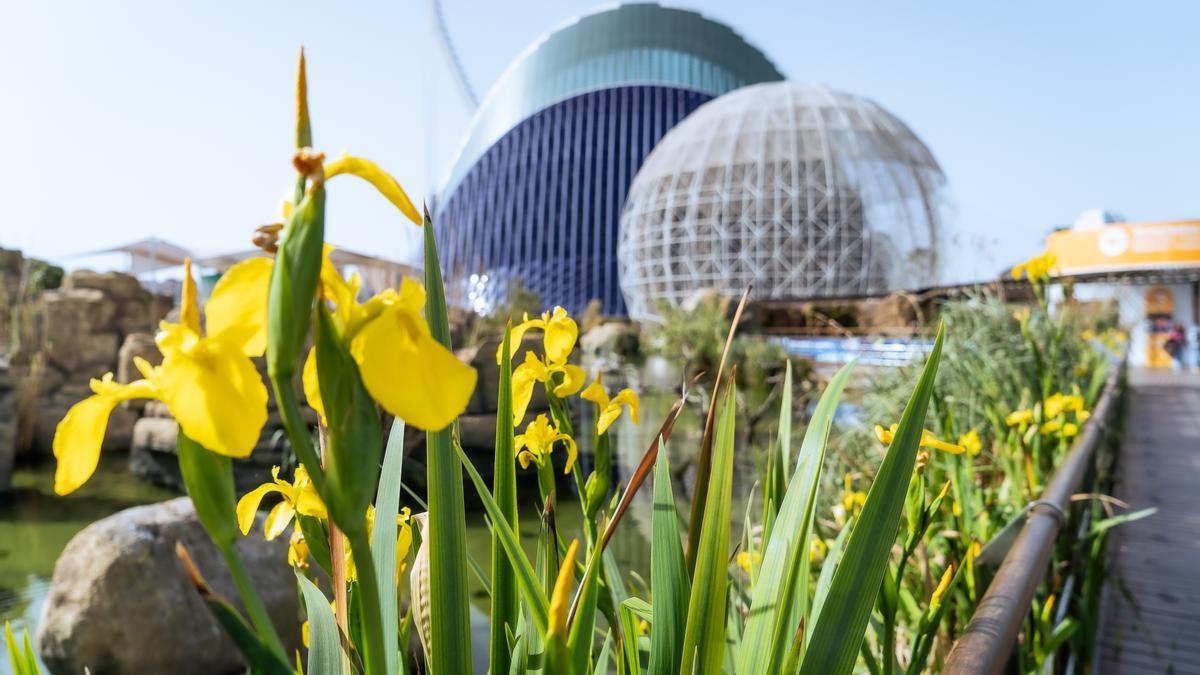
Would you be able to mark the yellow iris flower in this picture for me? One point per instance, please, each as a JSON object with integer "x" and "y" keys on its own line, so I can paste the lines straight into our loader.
{"x": 298, "y": 550}
{"x": 559, "y": 334}
{"x": 1036, "y": 268}
{"x": 299, "y": 496}
{"x": 403, "y": 544}
{"x": 560, "y": 597}
{"x": 405, "y": 369}
{"x": 935, "y": 600}
{"x": 538, "y": 441}
{"x": 1058, "y": 426}
{"x": 1019, "y": 417}
{"x": 609, "y": 409}
{"x": 852, "y": 499}
{"x": 747, "y": 562}
{"x": 207, "y": 380}
{"x": 1059, "y": 403}
{"x": 928, "y": 440}
{"x": 818, "y": 549}
{"x": 971, "y": 442}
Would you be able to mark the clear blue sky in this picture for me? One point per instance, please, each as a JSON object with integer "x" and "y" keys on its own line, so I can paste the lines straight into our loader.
{"x": 120, "y": 120}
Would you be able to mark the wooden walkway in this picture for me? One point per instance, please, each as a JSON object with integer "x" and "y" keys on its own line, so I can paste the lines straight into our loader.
{"x": 1152, "y": 611}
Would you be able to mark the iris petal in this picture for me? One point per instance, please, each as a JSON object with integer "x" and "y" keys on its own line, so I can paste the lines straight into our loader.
{"x": 370, "y": 172}
{"x": 409, "y": 372}
{"x": 278, "y": 519}
{"x": 626, "y": 397}
{"x": 77, "y": 442}
{"x": 312, "y": 387}
{"x": 573, "y": 377}
{"x": 237, "y": 311}
{"x": 247, "y": 506}
{"x": 78, "y": 437}
{"x": 218, "y": 397}
{"x": 561, "y": 333}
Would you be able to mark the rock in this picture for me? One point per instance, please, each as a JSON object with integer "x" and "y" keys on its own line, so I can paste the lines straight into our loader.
{"x": 477, "y": 432}
{"x": 133, "y": 316}
{"x": 88, "y": 354}
{"x": 8, "y": 426}
{"x": 158, "y": 434}
{"x": 136, "y": 345}
{"x": 614, "y": 339}
{"x": 120, "y": 602}
{"x": 116, "y": 285}
{"x": 72, "y": 311}
{"x": 156, "y": 409}
{"x": 153, "y": 456}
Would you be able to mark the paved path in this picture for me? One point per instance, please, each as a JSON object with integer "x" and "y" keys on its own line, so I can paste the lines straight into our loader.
{"x": 1156, "y": 562}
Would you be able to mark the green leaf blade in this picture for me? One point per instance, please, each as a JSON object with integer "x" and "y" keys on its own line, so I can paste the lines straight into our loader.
{"x": 704, "y": 636}
{"x": 449, "y": 593}
{"x": 669, "y": 583}
{"x": 324, "y": 641}
{"x": 841, "y": 626}
{"x": 783, "y": 575}
{"x": 527, "y": 578}
{"x": 383, "y": 541}
{"x": 505, "y": 594}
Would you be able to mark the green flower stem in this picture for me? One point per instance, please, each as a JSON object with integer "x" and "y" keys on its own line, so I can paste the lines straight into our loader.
{"x": 546, "y": 482}
{"x": 297, "y": 430}
{"x": 252, "y": 601}
{"x": 372, "y": 611}
{"x": 208, "y": 479}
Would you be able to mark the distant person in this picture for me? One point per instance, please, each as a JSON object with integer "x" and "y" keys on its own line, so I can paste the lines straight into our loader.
{"x": 1176, "y": 341}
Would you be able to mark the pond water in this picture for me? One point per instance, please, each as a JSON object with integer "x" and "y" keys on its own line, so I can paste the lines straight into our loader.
{"x": 35, "y": 524}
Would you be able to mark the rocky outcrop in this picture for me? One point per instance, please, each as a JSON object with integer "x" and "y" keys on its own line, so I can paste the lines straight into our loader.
{"x": 8, "y": 425}
{"x": 120, "y": 603}
{"x": 80, "y": 332}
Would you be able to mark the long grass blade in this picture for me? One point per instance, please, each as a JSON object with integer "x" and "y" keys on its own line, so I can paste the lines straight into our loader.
{"x": 324, "y": 642}
{"x": 631, "y": 655}
{"x": 383, "y": 541}
{"x": 582, "y": 628}
{"x": 640, "y": 473}
{"x": 842, "y": 623}
{"x": 669, "y": 582}
{"x": 825, "y": 578}
{"x": 704, "y": 462}
{"x": 704, "y": 635}
{"x": 535, "y": 597}
{"x": 782, "y": 578}
{"x": 449, "y": 600}
{"x": 505, "y": 595}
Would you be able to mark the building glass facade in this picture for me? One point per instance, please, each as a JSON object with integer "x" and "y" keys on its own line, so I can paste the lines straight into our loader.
{"x": 536, "y": 192}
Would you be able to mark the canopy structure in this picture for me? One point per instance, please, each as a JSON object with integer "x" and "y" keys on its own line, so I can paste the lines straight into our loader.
{"x": 150, "y": 254}
{"x": 377, "y": 273}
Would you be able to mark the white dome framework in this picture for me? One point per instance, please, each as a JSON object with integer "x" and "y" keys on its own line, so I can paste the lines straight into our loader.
{"x": 805, "y": 191}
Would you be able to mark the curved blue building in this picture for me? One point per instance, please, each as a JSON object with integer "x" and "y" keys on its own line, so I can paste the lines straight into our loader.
{"x": 537, "y": 189}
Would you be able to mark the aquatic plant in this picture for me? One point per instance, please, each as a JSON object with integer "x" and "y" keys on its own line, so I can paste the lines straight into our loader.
{"x": 782, "y": 599}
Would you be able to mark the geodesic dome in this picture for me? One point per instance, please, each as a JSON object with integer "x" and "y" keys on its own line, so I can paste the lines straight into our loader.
{"x": 805, "y": 191}
{"x": 535, "y": 194}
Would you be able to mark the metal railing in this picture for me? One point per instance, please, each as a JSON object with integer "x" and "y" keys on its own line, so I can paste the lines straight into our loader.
{"x": 987, "y": 643}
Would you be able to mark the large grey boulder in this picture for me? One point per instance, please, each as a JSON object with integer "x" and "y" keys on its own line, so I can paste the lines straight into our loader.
{"x": 120, "y": 602}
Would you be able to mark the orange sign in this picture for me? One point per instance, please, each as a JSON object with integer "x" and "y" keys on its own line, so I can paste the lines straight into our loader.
{"x": 1118, "y": 247}
{"x": 1160, "y": 304}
